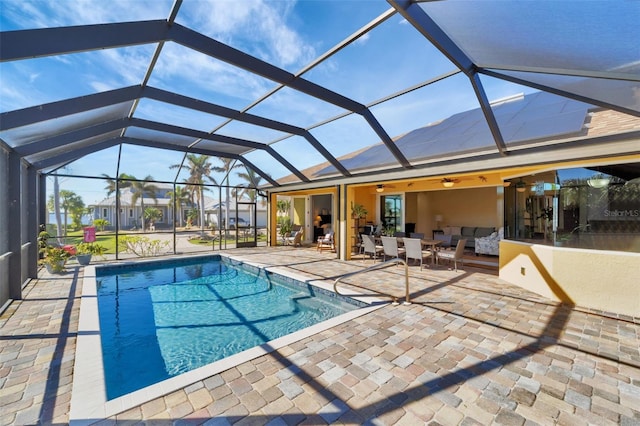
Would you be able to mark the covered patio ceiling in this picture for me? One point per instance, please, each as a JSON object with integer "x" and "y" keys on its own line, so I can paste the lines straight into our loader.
{"x": 186, "y": 82}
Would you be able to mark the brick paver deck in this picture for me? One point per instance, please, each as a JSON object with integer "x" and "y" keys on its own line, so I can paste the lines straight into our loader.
{"x": 471, "y": 349}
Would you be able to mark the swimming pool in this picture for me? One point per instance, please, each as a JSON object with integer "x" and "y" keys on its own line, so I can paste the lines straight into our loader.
{"x": 161, "y": 320}
{"x": 89, "y": 401}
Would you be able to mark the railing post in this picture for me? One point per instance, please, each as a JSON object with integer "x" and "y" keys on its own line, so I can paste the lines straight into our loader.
{"x": 379, "y": 265}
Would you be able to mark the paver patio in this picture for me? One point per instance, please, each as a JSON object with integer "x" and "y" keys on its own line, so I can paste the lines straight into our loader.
{"x": 470, "y": 349}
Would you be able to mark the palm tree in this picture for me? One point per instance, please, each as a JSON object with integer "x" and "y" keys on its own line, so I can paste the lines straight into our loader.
{"x": 251, "y": 191}
{"x": 199, "y": 168}
{"x": 140, "y": 188}
{"x": 179, "y": 196}
{"x": 115, "y": 185}
{"x": 111, "y": 183}
{"x": 227, "y": 166}
{"x": 253, "y": 181}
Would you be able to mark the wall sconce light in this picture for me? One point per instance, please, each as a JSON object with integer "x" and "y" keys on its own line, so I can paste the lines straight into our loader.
{"x": 521, "y": 186}
{"x": 379, "y": 188}
{"x": 598, "y": 182}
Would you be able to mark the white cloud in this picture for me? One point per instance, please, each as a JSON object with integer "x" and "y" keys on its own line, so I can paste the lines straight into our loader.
{"x": 30, "y": 14}
{"x": 14, "y": 96}
{"x": 363, "y": 39}
{"x": 184, "y": 67}
{"x": 257, "y": 27}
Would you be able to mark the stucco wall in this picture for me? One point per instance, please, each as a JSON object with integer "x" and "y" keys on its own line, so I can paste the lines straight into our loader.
{"x": 459, "y": 207}
{"x": 466, "y": 207}
{"x": 604, "y": 280}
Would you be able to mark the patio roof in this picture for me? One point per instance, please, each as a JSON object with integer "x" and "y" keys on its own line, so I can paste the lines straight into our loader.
{"x": 170, "y": 82}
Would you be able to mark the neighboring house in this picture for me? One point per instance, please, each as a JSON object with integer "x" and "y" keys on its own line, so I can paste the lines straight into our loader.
{"x": 215, "y": 212}
{"x": 131, "y": 215}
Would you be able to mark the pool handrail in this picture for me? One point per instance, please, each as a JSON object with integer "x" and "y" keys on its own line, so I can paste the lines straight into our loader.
{"x": 395, "y": 260}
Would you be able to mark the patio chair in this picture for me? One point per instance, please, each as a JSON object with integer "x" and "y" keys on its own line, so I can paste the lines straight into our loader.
{"x": 390, "y": 247}
{"x": 370, "y": 247}
{"x": 413, "y": 250}
{"x": 358, "y": 247}
{"x": 455, "y": 255}
{"x": 295, "y": 239}
{"x": 419, "y": 235}
{"x": 446, "y": 240}
{"x": 326, "y": 242}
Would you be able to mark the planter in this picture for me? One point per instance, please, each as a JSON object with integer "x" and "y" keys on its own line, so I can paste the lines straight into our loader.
{"x": 83, "y": 259}
{"x": 55, "y": 267}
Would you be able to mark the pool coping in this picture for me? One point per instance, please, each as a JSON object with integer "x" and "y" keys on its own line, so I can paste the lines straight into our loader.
{"x": 89, "y": 403}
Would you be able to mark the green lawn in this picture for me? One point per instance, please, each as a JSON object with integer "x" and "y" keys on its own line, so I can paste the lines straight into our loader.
{"x": 107, "y": 240}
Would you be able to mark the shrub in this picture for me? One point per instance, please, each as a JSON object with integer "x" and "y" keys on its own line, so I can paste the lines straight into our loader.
{"x": 141, "y": 246}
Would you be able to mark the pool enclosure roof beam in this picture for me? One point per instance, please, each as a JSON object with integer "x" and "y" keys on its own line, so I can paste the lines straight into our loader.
{"x": 99, "y": 129}
{"x": 31, "y": 115}
{"x": 92, "y": 37}
{"x": 597, "y": 67}
{"x": 68, "y": 156}
{"x": 432, "y": 31}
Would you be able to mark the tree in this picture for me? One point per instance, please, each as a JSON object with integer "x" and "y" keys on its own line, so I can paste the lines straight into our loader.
{"x": 179, "y": 196}
{"x": 199, "y": 168}
{"x": 72, "y": 204}
{"x": 228, "y": 164}
{"x": 115, "y": 185}
{"x": 253, "y": 181}
{"x": 140, "y": 189}
{"x": 100, "y": 224}
{"x": 118, "y": 183}
{"x": 152, "y": 214}
{"x": 56, "y": 207}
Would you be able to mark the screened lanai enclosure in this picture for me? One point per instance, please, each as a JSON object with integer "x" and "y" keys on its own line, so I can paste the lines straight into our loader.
{"x": 167, "y": 124}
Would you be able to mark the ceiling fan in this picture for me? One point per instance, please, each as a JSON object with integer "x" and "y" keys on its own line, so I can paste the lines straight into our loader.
{"x": 449, "y": 182}
{"x": 381, "y": 187}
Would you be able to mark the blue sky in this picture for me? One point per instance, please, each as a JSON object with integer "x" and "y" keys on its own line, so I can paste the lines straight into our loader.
{"x": 288, "y": 34}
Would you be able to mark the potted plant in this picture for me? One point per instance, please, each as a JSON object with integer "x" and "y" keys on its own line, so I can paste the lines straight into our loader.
{"x": 84, "y": 251}
{"x": 54, "y": 259}
{"x": 358, "y": 211}
{"x": 285, "y": 227}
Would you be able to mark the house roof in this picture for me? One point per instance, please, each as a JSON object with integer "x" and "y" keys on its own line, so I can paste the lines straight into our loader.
{"x": 584, "y": 55}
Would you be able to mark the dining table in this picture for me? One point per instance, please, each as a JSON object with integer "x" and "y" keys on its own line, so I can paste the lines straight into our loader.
{"x": 432, "y": 245}
{"x": 428, "y": 243}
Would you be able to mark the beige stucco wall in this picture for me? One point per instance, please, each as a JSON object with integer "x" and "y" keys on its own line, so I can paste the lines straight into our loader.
{"x": 459, "y": 207}
{"x": 604, "y": 280}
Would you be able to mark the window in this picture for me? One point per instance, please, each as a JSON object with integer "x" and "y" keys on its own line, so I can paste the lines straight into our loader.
{"x": 391, "y": 212}
{"x": 596, "y": 208}
{"x": 104, "y": 212}
{"x": 130, "y": 212}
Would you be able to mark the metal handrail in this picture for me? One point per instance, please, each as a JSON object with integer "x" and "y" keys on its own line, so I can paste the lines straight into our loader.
{"x": 377, "y": 266}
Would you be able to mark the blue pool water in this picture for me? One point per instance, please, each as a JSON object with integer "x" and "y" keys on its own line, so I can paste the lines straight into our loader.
{"x": 158, "y": 320}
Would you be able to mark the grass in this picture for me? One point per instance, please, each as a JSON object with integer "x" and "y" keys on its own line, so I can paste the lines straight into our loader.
{"x": 108, "y": 240}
